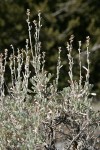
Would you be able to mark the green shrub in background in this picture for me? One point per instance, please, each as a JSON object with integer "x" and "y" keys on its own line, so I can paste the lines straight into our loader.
{"x": 35, "y": 118}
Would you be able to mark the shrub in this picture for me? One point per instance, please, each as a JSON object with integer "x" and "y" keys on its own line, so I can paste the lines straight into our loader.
{"x": 37, "y": 117}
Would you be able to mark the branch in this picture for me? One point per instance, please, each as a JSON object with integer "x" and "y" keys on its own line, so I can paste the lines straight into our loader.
{"x": 77, "y": 136}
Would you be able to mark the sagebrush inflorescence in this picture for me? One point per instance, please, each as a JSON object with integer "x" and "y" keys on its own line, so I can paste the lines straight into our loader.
{"x": 38, "y": 117}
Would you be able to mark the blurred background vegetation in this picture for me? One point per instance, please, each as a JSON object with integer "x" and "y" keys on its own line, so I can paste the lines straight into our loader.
{"x": 60, "y": 19}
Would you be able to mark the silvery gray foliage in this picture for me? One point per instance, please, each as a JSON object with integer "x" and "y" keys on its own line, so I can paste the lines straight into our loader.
{"x": 40, "y": 117}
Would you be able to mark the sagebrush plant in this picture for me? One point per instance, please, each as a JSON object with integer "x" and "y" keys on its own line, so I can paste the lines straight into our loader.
{"x": 31, "y": 119}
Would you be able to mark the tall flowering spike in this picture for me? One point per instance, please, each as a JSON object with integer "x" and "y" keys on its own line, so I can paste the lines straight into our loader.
{"x": 80, "y": 63}
{"x": 1, "y": 59}
{"x": 39, "y": 23}
{"x": 29, "y": 32}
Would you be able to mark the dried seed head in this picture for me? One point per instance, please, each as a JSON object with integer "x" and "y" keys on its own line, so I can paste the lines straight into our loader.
{"x": 87, "y": 41}
{"x": 80, "y": 43}
{"x": 35, "y": 22}
{"x": 71, "y": 38}
{"x": 28, "y": 12}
